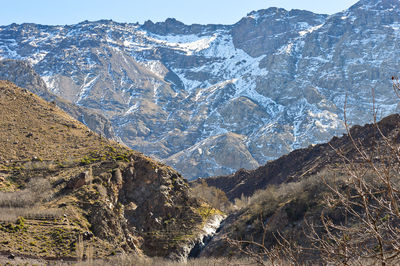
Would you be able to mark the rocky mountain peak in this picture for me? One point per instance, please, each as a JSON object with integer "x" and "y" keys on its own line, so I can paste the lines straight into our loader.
{"x": 280, "y": 13}
{"x": 171, "y": 26}
{"x": 264, "y": 31}
{"x": 376, "y": 4}
{"x": 373, "y": 12}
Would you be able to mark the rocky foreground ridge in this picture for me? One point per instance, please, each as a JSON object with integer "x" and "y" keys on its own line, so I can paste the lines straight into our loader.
{"x": 197, "y": 95}
{"x": 66, "y": 191}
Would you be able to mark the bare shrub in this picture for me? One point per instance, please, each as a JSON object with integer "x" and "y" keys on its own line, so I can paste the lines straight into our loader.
{"x": 12, "y": 214}
{"x": 284, "y": 253}
{"x": 36, "y": 191}
{"x": 17, "y": 199}
{"x": 22, "y": 203}
{"x": 242, "y": 202}
{"x": 369, "y": 200}
{"x": 215, "y": 197}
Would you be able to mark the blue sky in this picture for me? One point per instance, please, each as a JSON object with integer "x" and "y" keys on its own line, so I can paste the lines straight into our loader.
{"x": 60, "y": 12}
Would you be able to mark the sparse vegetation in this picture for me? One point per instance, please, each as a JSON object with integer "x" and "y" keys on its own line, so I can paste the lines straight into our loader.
{"x": 36, "y": 190}
{"x": 37, "y": 161}
{"x": 125, "y": 260}
{"x": 213, "y": 196}
{"x": 106, "y": 153}
{"x": 347, "y": 213}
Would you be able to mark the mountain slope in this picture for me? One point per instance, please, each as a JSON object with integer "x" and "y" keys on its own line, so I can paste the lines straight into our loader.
{"x": 276, "y": 78}
{"x": 305, "y": 162}
{"x": 23, "y": 75}
{"x": 66, "y": 181}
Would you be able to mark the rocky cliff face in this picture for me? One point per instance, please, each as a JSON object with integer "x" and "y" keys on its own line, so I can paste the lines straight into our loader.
{"x": 273, "y": 82}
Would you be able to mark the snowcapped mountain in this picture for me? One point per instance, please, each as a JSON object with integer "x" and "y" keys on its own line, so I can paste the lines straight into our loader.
{"x": 210, "y": 99}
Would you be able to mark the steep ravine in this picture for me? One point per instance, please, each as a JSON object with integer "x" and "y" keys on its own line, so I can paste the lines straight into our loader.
{"x": 155, "y": 205}
{"x": 209, "y": 230}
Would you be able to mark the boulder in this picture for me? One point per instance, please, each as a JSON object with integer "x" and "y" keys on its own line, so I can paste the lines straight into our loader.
{"x": 78, "y": 181}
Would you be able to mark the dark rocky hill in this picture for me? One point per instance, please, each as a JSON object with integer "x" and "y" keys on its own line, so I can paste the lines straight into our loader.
{"x": 306, "y": 162}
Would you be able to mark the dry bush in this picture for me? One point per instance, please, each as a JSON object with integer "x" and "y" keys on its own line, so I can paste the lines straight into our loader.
{"x": 12, "y": 214}
{"x": 22, "y": 203}
{"x": 17, "y": 199}
{"x": 37, "y": 190}
{"x": 284, "y": 253}
{"x": 257, "y": 231}
{"x": 266, "y": 201}
{"x": 241, "y": 203}
{"x": 130, "y": 259}
{"x": 369, "y": 200}
{"x": 215, "y": 197}
{"x": 360, "y": 220}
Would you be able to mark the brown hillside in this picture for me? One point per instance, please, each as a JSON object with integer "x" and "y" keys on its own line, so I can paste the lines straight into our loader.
{"x": 60, "y": 182}
{"x": 305, "y": 162}
{"x": 33, "y": 128}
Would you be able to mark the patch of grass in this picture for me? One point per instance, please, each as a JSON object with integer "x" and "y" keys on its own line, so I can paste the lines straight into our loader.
{"x": 18, "y": 226}
{"x": 107, "y": 153}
